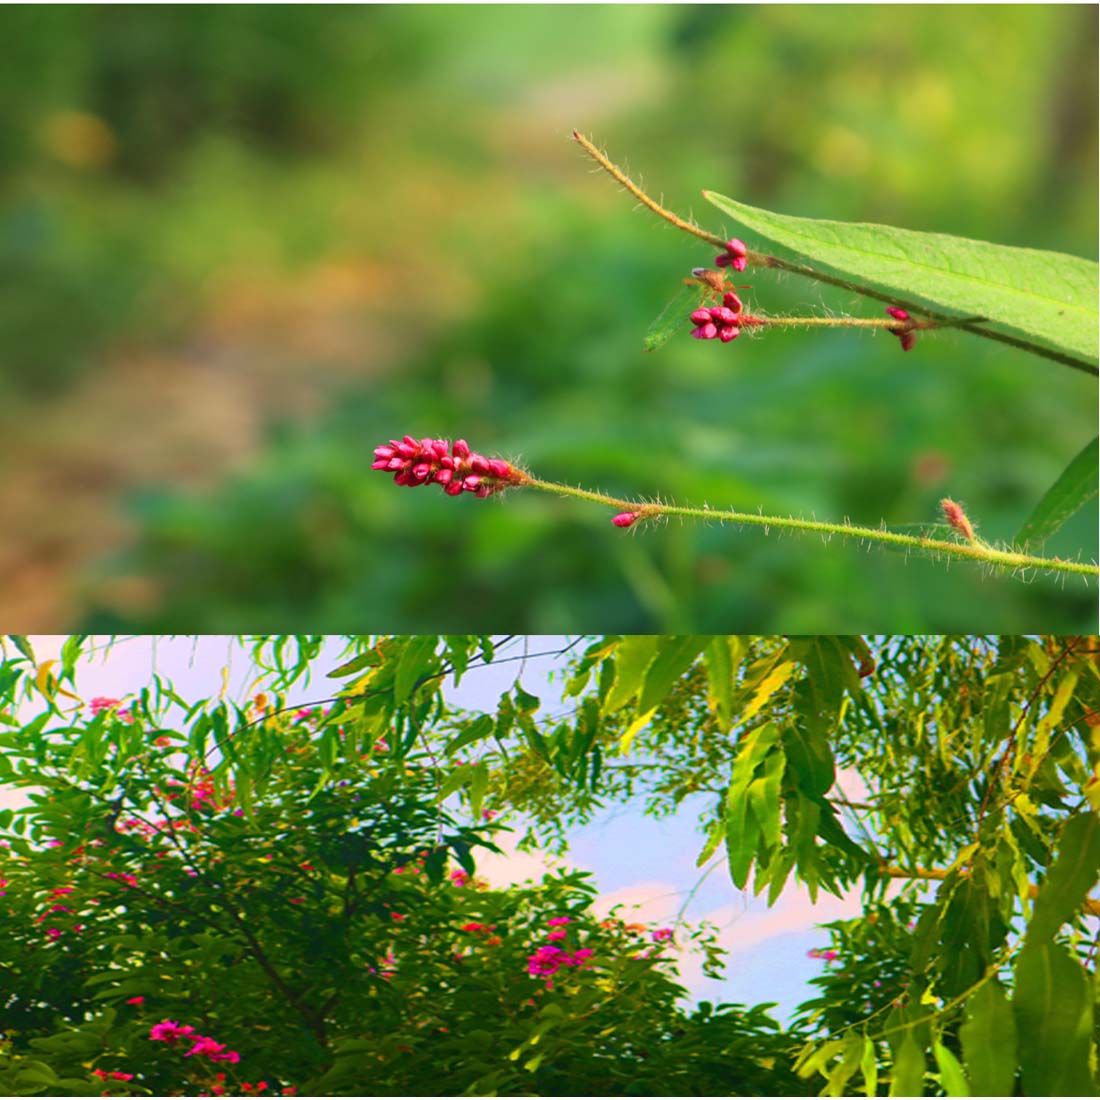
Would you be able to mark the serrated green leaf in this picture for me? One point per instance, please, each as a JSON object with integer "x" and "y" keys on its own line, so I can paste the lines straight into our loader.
{"x": 1075, "y": 487}
{"x": 989, "y": 1042}
{"x": 1049, "y": 296}
{"x": 1053, "y": 1006}
{"x": 674, "y": 317}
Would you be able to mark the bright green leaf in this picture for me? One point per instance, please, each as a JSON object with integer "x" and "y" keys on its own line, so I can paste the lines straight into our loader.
{"x": 1070, "y": 878}
{"x": 674, "y": 317}
{"x": 951, "y": 1075}
{"x": 1049, "y": 296}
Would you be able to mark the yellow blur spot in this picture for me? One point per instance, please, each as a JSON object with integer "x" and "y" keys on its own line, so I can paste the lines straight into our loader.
{"x": 79, "y": 140}
{"x": 842, "y": 152}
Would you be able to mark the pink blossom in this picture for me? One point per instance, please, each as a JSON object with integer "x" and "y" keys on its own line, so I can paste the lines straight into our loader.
{"x": 216, "y": 1052}
{"x": 546, "y": 960}
{"x": 53, "y": 933}
{"x": 557, "y": 934}
{"x": 660, "y": 935}
{"x": 459, "y": 878}
{"x": 827, "y": 955}
{"x": 101, "y": 703}
{"x": 625, "y": 519}
{"x": 426, "y": 461}
{"x": 554, "y": 922}
{"x": 135, "y": 1000}
{"x": 168, "y": 1031}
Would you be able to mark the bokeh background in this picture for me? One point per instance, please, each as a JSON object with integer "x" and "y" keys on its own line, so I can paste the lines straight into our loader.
{"x": 240, "y": 246}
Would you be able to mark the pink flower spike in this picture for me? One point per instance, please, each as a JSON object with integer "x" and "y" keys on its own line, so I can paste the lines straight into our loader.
{"x": 456, "y": 468}
{"x": 625, "y": 519}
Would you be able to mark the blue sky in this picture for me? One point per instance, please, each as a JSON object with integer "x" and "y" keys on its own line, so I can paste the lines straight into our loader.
{"x": 636, "y": 860}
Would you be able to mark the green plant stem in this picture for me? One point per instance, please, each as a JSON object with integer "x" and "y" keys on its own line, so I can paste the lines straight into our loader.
{"x": 763, "y": 259}
{"x": 974, "y": 551}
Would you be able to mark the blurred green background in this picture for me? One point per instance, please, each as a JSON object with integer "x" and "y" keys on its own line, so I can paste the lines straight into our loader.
{"x": 242, "y": 246}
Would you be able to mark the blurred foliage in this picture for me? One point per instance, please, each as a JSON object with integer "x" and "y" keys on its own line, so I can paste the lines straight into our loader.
{"x": 414, "y": 163}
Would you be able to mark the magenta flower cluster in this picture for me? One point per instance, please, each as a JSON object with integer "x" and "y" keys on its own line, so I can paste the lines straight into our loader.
{"x": 435, "y": 461}
{"x": 549, "y": 959}
{"x": 906, "y": 335}
{"x": 828, "y": 955}
{"x": 723, "y": 321}
{"x": 735, "y": 256}
{"x": 169, "y": 1031}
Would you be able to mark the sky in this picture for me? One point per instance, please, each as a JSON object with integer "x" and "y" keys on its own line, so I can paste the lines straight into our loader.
{"x": 645, "y": 864}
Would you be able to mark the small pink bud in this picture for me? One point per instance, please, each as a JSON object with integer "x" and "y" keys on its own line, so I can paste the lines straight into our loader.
{"x": 897, "y": 313}
{"x": 725, "y": 315}
{"x": 730, "y": 332}
{"x": 479, "y": 464}
{"x": 384, "y": 452}
{"x": 705, "y": 332}
{"x": 380, "y": 464}
{"x": 471, "y": 483}
{"x": 724, "y": 260}
{"x": 499, "y": 468}
{"x": 624, "y": 519}
{"x": 908, "y": 339}
{"x": 461, "y": 449}
{"x": 731, "y": 301}
{"x": 453, "y": 488}
{"x": 443, "y": 476}
{"x": 701, "y": 316}
{"x": 955, "y": 516}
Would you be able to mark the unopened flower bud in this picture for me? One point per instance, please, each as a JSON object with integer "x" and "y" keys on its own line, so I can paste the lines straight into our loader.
{"x": 624, "y": 519}
{"x": 957, "y": 518}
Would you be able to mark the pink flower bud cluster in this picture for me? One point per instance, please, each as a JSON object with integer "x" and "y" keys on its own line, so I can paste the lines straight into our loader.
{"x": 828, "y": 955}
{"x": 458, "y": 469}
{"x": 723, "y": 321}
{"x": 101, "y": 703}
{"x": 735, "y": 256}
{"x": 906, "y": 335}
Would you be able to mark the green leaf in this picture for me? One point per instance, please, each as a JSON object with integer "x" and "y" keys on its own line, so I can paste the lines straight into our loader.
{"x": 843, "y": 1070}
{"x": 869, "y": 1067}
{"x": 415, "y": 661}
{"x": 22, "y": 643}
{"x": 632, "y": 657}
{"x": 1076, "y": 485}
{"x": 479, "y": 784}
{"x": 1070, "y": 878}
{"x": 1053, "y": 1006}
{"x": 526, "y": 703}
{"x": 674, "y": 317}
{"x": 1048, "y": 296}
{"x": 674, "y": 656}
{"x": 989, "y": 1042}
{"x": 481, "y": 727}
{"x": 742, "y": 829}
{"x": 951, "y": 1075}
{"x": 908, "y": 1076}
{"x": 769, "y": 684}
{"x": 719, "y": 661}
{"x": 356, "y": 664}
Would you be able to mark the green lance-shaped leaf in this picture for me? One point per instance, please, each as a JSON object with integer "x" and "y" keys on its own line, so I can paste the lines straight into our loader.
{"x": 1076, "y": 486}
{"x": 742, "y": 827}
{"x": 1048, "y": 296}
{"x": 416, "y": 662}
{"x": 989, "y": 1041}
{"x": 633, "y": 656}
{"x": 674, "y": 317}
{"x": 1071, "y": 876}
{"x": 908, "y": 1075}
{"x": 1053, "y": 1005}
{"x": 674, "y": 656}
{"x": 951, "y": 1074}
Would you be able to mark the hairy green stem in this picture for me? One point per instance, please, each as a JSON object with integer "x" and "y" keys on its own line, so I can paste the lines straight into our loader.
{"x": 971, "y": 551}
{"x": 763, "y": 259}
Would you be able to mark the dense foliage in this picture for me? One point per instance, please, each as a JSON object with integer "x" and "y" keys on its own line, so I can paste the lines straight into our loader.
{"x": 289, "y": 895}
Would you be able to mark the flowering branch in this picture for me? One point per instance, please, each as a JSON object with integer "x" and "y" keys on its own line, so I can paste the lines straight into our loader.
{"x": 739, "y": 256}
{"x": 435, "y": 461}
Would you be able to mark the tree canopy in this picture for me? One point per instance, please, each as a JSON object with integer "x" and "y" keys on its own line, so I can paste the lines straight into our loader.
{"x": 287, "y": 895}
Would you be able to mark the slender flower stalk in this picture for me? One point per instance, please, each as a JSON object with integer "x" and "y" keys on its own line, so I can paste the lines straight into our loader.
{"x": 629, "y": 513}
{"x": 738, "y": 259}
